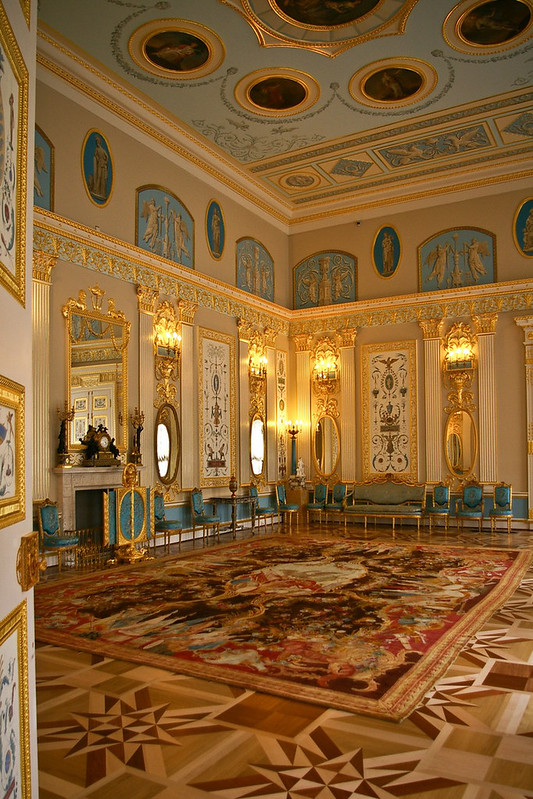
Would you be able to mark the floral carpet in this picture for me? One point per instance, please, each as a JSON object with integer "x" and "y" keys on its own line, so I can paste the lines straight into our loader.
{"x": 361, "y": 626}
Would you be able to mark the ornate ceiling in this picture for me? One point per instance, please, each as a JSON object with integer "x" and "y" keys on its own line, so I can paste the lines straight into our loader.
{"x": 312, "y": 107}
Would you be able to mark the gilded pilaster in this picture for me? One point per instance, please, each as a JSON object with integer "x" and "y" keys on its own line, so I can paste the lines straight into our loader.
{"x": 146, "y": 301}
{"x": 526, "y": 323}
{"x": 244, "y": 405}
{"x": 485, "y": 327}
{"x": 189, "y": 415}
{"x": 43, "y": 263}
{"x": 303, "y": 398}
{"x": 347, "y": 339}
{"x": 432, "y": 331}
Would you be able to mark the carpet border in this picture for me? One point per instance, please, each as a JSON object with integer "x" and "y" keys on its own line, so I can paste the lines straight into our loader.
{"x": 395, "y": 705}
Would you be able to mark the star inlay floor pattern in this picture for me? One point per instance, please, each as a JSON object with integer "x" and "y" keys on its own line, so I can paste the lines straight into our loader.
{"x": 109, "y": 728}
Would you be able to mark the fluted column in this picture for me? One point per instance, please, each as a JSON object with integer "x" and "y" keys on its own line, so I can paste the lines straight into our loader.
{"x": 526, "y": 323}
{"x": 244, "y": 407}
{"x": 348, "y": 421}
{"x": 146, "y": 300}
{"x": 432, "y": 329}
{"x": 42, "y": 461}
{"x": 189, "y": 408}
{"x": 303, "y": 398}
{"x": 485, "y": 326}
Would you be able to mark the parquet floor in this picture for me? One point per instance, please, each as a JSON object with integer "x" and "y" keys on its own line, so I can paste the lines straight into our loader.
{"x": 112, "y": 729}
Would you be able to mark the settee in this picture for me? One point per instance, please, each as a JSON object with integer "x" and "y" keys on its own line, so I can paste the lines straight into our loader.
{"x": 385, "y": 496}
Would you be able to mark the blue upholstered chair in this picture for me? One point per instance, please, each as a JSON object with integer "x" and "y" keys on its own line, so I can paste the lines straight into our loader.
{"x": 285, "y": 508}
{"x": 335, "y": 505}
{"x": 164, "y": 527}
{"x": 502, "y": 506}
{"x": 52, "y": 539}
{"x": 264, "y": 509}
{"x": 470, "y": 506}
{"x": 201, "y": 518}
{"x": 440, "y": 504}
{"x": 318, "y": 503}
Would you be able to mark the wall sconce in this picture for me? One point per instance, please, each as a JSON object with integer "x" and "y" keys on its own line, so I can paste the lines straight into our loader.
{"x": 257, "y": 366}
{"x": 325, "y": 373}
{"x": 167, "y": 342}
{"x": 459, "y": 365}
{"x": 167, "y": 350}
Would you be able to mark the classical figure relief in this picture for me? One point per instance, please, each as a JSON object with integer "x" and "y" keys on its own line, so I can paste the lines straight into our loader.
{"x": 324, "y": 279}
{"x": 255, "y": 269}
{"x": 164, "y": 226}
{"x": 457, "y": 258}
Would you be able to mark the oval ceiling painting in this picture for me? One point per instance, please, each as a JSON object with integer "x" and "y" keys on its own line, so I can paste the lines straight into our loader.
{"x": 392, "y": 84}
{"x": 325, "y": 13}
{"x": 494, "y": 22}
{"x": 277, "y": 93}
{"x": 177, "y": 51}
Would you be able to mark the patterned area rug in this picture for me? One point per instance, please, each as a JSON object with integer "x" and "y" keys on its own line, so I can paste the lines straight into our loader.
{"x": 361, "y": 626}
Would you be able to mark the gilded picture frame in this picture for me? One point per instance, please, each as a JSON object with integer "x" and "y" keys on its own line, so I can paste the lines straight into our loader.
{"x": 14, "y": 703}
{"x": 523, "y": 228}
{"x": 215, "y": 229}
{"x": 97, "y": 168}
{"x": 13, "y": 162}
{"x": 216, "y": 407}
{"x": 43, "y": 171}
{"x": 12, "y": 462}
{"x": 386, "y": 252}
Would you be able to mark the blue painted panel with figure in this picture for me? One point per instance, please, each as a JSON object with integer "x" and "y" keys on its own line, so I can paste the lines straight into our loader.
{"x": 43, "y": 175}
{"x": 164, "y": 226}
{"x": 255, "y": 269}
{"x": 457, "y": 258}
{"x": 326, "y": 278}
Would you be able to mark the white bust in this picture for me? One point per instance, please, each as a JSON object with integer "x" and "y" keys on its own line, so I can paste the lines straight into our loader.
{"x": 300, "y": 469}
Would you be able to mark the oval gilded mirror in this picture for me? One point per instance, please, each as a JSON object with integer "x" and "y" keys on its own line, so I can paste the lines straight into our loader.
{"x": 326, "y": 446}
{"x": 167, "y": 444}
{"x": 257, "y": 445}
{"x": 460, "y": 443}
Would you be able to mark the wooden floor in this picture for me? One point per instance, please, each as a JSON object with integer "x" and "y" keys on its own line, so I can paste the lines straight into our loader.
{"x": 109, "y": 728}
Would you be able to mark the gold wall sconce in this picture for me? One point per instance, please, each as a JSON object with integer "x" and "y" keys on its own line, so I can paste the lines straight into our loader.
{"x": 167, "y": 350}
{"x": 459, "y": 365}
{"x": 257, "y": 367}
{"x": 325, "y": 371}
{"x": 257, "y": 372}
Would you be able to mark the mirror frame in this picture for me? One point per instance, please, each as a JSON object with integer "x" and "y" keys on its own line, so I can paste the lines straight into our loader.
{"x": 451, "y": 468}
{"x": 337, "y": 433}
{"x": 175, "y": 442}
{"x": 257, "y": 417}
{"x": 112, "y": 317}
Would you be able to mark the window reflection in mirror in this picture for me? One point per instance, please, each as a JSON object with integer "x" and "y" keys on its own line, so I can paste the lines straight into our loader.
{"x": 97, "y": 368}
{"x": 460, "y": 443}
{"x": 257, "y": 446}
{"x": 326, "y": 446}
{"x": 167, "y": 444}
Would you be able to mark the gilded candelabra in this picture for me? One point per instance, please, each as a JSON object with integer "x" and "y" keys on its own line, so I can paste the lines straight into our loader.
{"x": 137, "y": 420}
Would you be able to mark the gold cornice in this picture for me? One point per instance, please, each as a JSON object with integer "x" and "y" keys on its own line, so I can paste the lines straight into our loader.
{"x": 43, "y": 263}
{"x": 146, "y": 298}
{"x": 431, "y": 328}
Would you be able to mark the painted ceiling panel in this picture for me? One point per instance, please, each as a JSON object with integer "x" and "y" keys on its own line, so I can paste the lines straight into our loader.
{"x": 316, "y": 100}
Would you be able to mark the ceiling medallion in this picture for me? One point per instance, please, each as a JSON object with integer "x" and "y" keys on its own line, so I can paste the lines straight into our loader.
{"x": 277, "y": 92}
{"x": 394, "y": 82}
{"x": 176, "y": 49}
{"x": 489, "y": 26}
{"x": 328, "y": 27}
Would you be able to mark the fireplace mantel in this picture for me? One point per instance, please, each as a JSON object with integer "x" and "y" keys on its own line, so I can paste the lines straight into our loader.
{"x": 71, "y": 479}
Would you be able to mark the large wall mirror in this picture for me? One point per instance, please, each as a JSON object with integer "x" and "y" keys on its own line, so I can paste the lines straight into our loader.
{"x": 326, "y": 446}
{"x": 257, "y": 445}
{"x": 97, "y": 368}
{"x": 167, "y": 444}
{"x": 460, "y": 443}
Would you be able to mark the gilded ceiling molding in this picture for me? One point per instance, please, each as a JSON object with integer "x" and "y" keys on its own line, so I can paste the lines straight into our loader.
{"x": 485, "y": 323}
{"x": 431, "y": 328}
{"x": 43, "y": 263}
{"x": 146, "y": 298}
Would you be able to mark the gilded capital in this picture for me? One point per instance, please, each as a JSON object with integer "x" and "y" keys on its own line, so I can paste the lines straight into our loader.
{"x": 485, "y": 323}
{"x": 303, "y": 342}
{"x": 246, "y": 329}
{"x": 146, "y": 299}
{"x": 43, "y": 263}
{"x": 346, "y": 337}
{"x": 431, "y": 328}
{"x": 187, "y": 310}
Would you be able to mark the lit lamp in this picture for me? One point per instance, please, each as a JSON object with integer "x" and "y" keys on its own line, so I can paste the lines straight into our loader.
{"x": 257, "y": 366}
{"x": 459, "y": 364}
{"x": 325, "y": 375}
{"x": 293, "y": 428}
{"x": 167, "y": 342}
